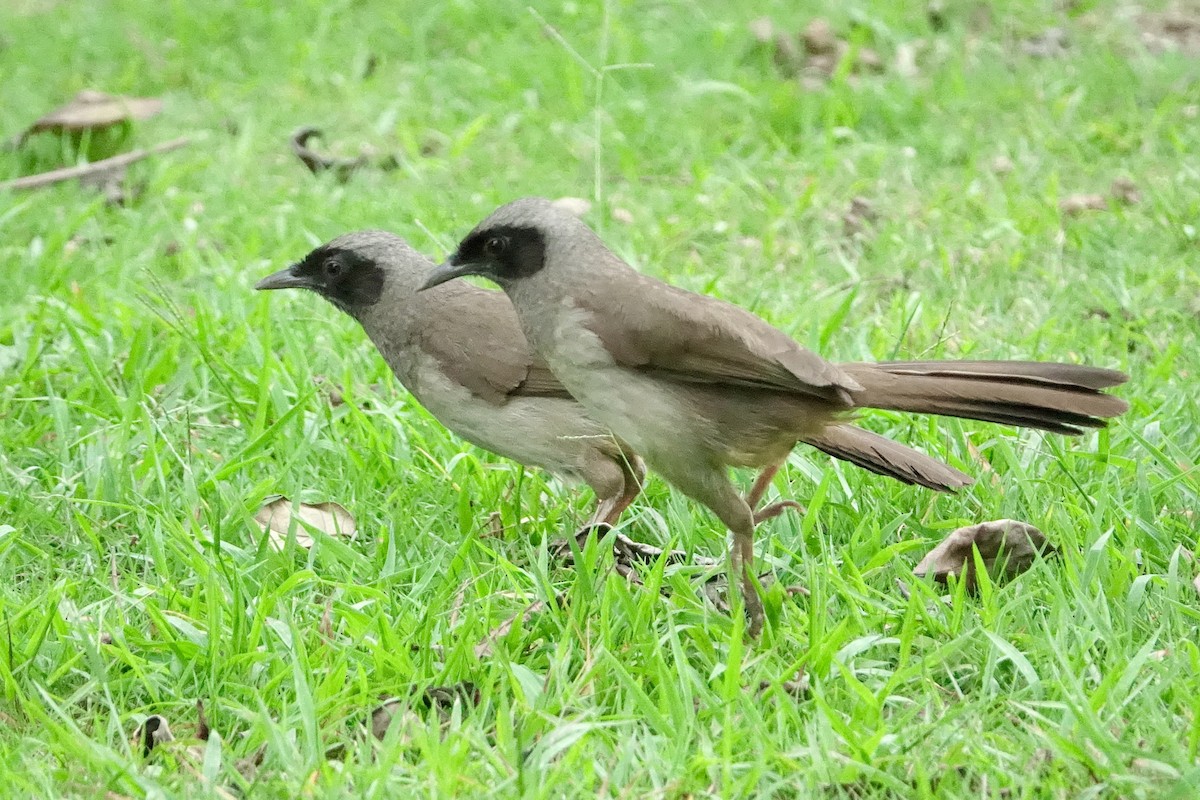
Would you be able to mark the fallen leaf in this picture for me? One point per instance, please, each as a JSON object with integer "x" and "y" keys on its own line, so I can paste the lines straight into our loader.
{"x": 1006, "y": 546}
{"x": 819, "y": 38}
{"x": 383, "y": 717}
{"x": 869, "y": 60}
{"x": 90, "y": 110}
{"x": 1171, "y": 31}
{"x": 276, "y": 517}
{"x": 153, "y": 732}
{"x": 1050, "y": 43}
{"x": 1076, "y": 204}
{"x": 1002, "y": 165}
{"x": 439, "y": 698}
{"x": 342, "y": 168}
{"x": 573, "y": 205}
{"x": 326, "y": 627}
{"x": 905, "y": 62}
{"x": 623, "y": 216}
{"x": 249, "y": 765}
{"x": 1126, "y": 191}
{"x": 797, "y": 687}
{"x": 762, "y": 29}
{"x": 202, "y": 728}
{"x": 860, "y": 214}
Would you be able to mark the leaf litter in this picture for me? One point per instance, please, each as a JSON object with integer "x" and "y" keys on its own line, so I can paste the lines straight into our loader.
{"x": 1007, "y": 547}
{"x": 276, "y": 518}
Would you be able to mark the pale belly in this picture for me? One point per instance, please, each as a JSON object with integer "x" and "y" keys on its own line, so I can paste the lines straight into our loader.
{"x": 550, "y": 433}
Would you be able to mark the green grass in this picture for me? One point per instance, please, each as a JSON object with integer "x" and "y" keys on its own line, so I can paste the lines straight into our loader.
{"x": 150, "y": 401}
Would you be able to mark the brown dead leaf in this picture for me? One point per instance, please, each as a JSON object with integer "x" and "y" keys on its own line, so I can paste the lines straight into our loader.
{"x": 797, "y": 687}
{"x": 439, "y": 698}
{"x": 1125, "y": 191}
{"x": 383, "y": 717}
{"x": 249, "y": 765}
{"x": 153, "y": 732}
{"x": 905, "y": 62}
{"x": 1076, "y": 204}
{"x": 1177, "y": 30}
{"x": 90, "y": 110}
{"x": 1006, "y": 546}
{"x": 623, "y": 216}
{"x": 276, "y": 517}
{"x": 342, "y": 168}
{"x": 202, "y": 728}
{"x": 1050, "y": 43}
{"x": 819, "y": 38}
{"x": 762, "y": 29}
{"x": 860, "y": 214}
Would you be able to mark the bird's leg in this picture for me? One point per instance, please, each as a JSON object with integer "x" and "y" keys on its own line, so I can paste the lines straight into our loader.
{"x": 742, "y": 567}
{"x": 755, "y": 495}
{"x": 723, "y": 498}
{"x": 626, "y": 551}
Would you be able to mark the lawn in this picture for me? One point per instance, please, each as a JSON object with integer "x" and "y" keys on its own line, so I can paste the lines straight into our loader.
{"x": 151, "y": 402}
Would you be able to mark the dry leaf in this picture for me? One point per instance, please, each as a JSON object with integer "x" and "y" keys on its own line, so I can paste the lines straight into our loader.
{"x": 90, "y": 110}
{"x": 1076, "y": 204}
{"x": 1171, "y": 31}
{"x": 1002, "y": 165}
{"x": 1125, "y": 191}
{"x": 623, "y": 216}
{"x": 153, "y": 732}
{"x": 1049, "y": 43}
{"x": 860, "y": 214}
{"x": 762, "y": 29}
{"x": 342, "y": 168}
{"x": 276, "y": 516}
{"x": 905, "y": 62}
{"x": 819, "y": 38}
{"x": 382, "y": 718}
{"x": 202, "y": 728}
{"x": 573, "y": 205}
{"x": 439, "y": 698}
{"x": 1008, "y": 544}
{"x": 797, "y": 687}
{"x": 869, "y": 60}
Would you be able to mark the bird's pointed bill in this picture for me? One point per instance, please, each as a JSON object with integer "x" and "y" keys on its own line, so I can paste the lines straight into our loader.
{"x": 284, "y": 279}
{"x": 447, "y": 272}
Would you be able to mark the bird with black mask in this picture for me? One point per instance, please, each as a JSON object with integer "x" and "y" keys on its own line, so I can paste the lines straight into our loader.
{"x": 697, "y": 385}
{"x": 460, "y": 352}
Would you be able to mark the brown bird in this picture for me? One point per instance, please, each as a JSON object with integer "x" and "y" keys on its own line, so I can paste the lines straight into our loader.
{"x": 696, "y": 385}
{"x": 460, "y": 351}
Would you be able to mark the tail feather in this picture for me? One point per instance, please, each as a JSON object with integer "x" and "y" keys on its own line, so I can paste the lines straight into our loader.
{"x": 883, "y": 456}
{"x": 1063, "y": 398}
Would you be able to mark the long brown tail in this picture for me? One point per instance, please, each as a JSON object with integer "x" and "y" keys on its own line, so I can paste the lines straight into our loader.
{"x": 886, "y": 457}
{"x": 1063, "y": 398}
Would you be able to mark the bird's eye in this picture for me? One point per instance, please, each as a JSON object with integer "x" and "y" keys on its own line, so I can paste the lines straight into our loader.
{"x": 495, "y": 245}
{"x": 332, "y": 268}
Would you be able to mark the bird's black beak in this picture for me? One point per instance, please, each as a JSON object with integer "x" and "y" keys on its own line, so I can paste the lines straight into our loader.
{"x": 448, "y": 272}
{"x": 284, "y": 279}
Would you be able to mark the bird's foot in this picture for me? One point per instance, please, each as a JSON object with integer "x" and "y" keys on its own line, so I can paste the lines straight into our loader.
{"x": 627, "y": 553}
{"x": 775, "y": 509}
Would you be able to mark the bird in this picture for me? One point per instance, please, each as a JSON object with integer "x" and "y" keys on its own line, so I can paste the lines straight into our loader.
{"x": 460, "y": 352}
{"x": 697, "y": 385}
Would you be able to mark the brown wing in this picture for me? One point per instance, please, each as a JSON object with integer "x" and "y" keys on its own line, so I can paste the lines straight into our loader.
{"x": 476, "y": 339}
{"x": 654, "y": 327}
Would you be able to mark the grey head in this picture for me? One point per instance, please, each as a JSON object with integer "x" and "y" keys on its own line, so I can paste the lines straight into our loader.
{"x": 517, "y": 241}
{"x": 356, "y": 270}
